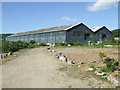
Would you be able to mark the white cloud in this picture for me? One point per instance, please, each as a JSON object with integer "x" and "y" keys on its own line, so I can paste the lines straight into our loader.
{"x": 102, "y": 5}
{"x": 68, "y": 19}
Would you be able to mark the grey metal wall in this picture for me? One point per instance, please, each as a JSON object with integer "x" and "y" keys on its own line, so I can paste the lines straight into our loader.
{"x": 49, "y": 37}
{"x": 103, "y": 31}
{"x": 64, "y": 36}
{"x": 82, "y": 29}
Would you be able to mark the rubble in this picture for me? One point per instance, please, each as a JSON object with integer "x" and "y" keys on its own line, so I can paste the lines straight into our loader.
{"x": 114, "y": 78}
{"x": 100, "y": 74}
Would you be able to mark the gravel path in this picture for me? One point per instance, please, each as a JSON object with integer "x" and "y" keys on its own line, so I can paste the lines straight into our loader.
{"x": 36, "y": 68}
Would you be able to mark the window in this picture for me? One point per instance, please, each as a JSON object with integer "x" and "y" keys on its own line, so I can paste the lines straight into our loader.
{"x": 76, "y": 33}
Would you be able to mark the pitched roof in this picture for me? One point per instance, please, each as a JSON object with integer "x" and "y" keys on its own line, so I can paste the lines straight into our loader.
{"x": 58, "y": 28}
{"x": 94, "y": 29}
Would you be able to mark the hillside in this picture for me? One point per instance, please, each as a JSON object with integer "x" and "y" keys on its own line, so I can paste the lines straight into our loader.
{"x": 116, "y": 33}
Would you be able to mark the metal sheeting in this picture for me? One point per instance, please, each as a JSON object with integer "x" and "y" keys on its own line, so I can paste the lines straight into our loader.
{"x": 49, "y": 37}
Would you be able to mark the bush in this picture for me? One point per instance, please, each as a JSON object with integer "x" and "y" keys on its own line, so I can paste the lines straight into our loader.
{"x": 71, "y": 43}
{"x": 62, "y": 44}
{"x": 110, "y": 65}
{"x": 43, "y": 44}
{"x": 77, "y": 43}
{"x": 102, "y": 55}
{"x": 108, "y": 69}
{"x": 32, "y": 42}
{"x": 22, "y": 44}
{"x": 32, "y": 46}
{"x": 10, "y": 46}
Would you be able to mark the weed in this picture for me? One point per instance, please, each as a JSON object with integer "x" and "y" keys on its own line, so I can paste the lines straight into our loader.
{"x": 69, "y": 86}
{"x": 63, "y": 68}
{"x": 102, "y": 55}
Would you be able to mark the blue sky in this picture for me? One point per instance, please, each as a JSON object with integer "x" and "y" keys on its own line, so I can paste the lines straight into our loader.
{"x": 22, "y": 16}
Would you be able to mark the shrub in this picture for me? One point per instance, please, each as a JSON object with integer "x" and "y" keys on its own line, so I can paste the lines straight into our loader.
{"x": 62, "y": 44}
{"x": 71, "y": 43}
{"x": 32, "y": 42}
{"x": 32, "y": 46}
{"x": 116, "y": 63}
{"x": 102, "y": 55}
{"x": 109, "y": 60}
{"x": 77, "y": 43}
{"x": 43, "y": 44}
{"x": 10, "y": 46}
{"x": 110, "y": 65}
{"x": 108, "y": 69}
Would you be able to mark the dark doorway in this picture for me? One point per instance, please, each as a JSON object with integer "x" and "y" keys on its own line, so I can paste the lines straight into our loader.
{"x": 103, "y": 36}
{"x": 86, "y": 36}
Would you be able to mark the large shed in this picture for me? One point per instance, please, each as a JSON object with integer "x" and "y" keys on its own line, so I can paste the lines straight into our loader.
{"x": 68, "y": 33}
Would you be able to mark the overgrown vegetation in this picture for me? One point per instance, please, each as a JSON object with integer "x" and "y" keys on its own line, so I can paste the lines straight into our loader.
{"x": 32, "y": 42}
{"x": 111, "y": 65}
{"x": 43, "y": 44}
{"x": 102, "y": 55}
{"x": 10, "y": 46}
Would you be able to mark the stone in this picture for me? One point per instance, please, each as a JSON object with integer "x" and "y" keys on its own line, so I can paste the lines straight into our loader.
{"x": 48, "y": 48}
{"x": 114, "y": 78}
{"x": 53, "y": 45}
{"x": 72, "y": 62}
{"x": 100, "y": 74}
{"x": 79, "y": 66}
{"x": 69, "y": 62}
{"x": 104, "y": 73}
{"x": 69, "y": 45}
{"x": 61, "y": 58}
{"x": 114, "y": 75}
{"x": 53, "y": 50}
{"x": 60, "y": 53}
{"x": 81, "y": 62}
{"x": 66, "y": 59}
{"x": 2, "y": 56}
{"x": 90, "y": 69}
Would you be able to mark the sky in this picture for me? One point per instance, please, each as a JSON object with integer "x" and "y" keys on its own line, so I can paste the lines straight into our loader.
{"x": 27, "y": 16}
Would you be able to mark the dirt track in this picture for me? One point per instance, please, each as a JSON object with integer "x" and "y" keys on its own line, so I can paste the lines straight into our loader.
{"x": 36, "y": 68}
